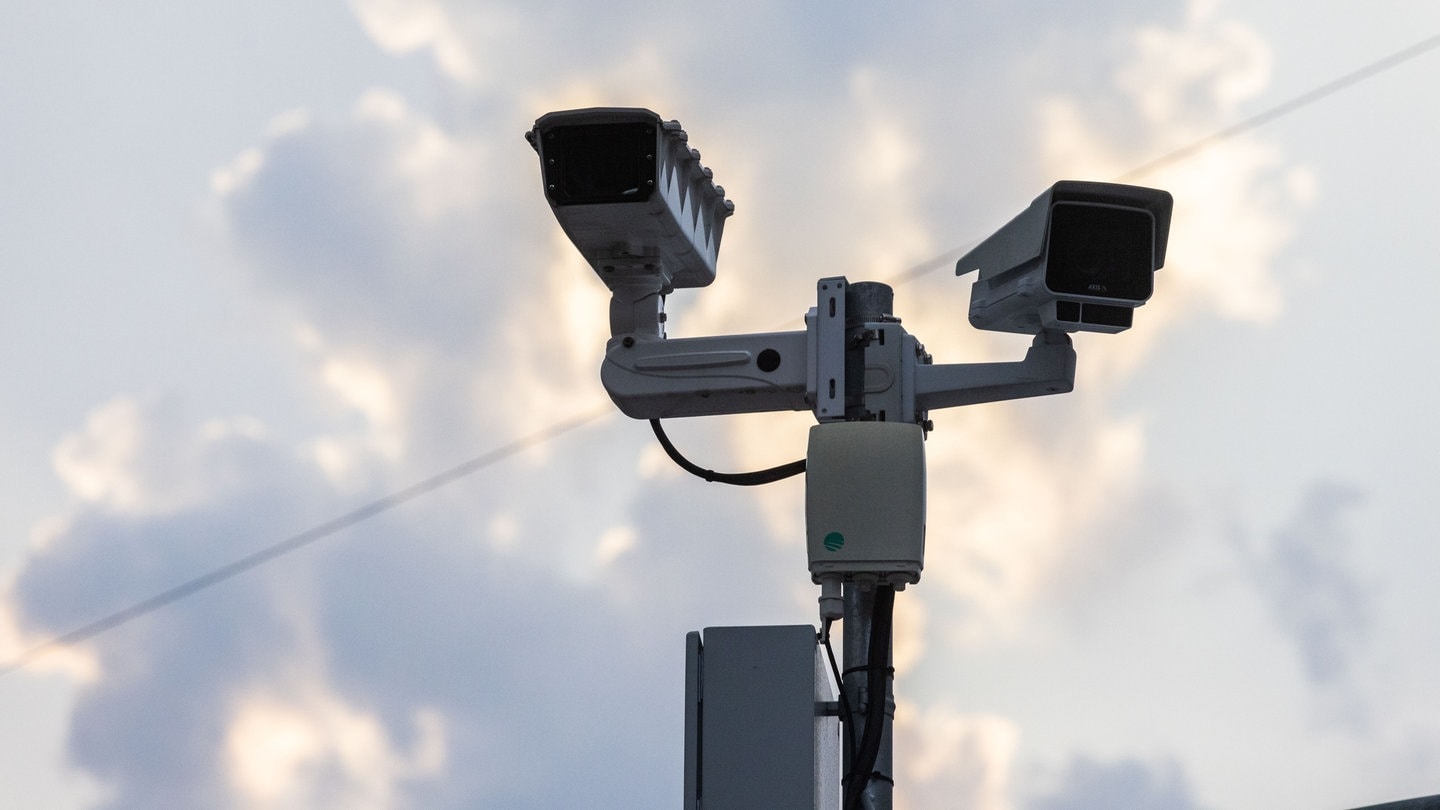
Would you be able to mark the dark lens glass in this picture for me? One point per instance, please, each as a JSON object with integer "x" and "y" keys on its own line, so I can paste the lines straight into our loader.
{"x": 1101, "y": 250}
{"x": 600, "y": 163}
{"x": 1109, "y": 315}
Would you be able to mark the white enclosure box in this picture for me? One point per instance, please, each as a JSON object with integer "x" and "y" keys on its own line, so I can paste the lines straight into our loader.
{"x": 865, "y": 501}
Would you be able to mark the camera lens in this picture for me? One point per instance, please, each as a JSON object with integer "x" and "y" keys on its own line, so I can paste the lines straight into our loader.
{"x": 600, "y": 163}
{"x": 1101, "y": 250}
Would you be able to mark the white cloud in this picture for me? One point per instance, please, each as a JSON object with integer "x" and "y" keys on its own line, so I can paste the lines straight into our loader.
{"x": 1010, "y": 496}
{"x": 132, "y": 456}
{"x": 1008, "y": 500}
{"x": 226, "y": 179}
{"x": 614, "y": 544}
{"x": 1307, "y": 576}
{"x": 412, "y": 257}
{"x": 413, "y": 277}
{"x": 1128, "y": 783}
{"x": 1183, "y": 78}
{"x": 18, "y": 638}
{"x": 403, "y": 26}
{"x": 374, "y": 669}
{"x": 1235, "y": 201}
{"x": 312, "y": 750}
{"x": 949, "y": 759}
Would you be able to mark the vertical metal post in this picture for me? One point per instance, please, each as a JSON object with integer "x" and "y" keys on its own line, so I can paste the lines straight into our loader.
{"x": 857, "y": 625}
{"x": 865, "y": 302}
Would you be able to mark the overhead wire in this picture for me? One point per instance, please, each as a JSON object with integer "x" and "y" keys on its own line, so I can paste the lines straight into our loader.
{"x": 1269, "y": 114}
{"x": 374, "y": 508}
{"x": 1286, "y": 107}
{"x": 296, "y": 542}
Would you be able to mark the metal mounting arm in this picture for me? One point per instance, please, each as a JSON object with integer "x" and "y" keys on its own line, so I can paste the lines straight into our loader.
{"x": 655, "y": 378}
{"x": 1048, "y": 368}
{"x": 652, "y": 377}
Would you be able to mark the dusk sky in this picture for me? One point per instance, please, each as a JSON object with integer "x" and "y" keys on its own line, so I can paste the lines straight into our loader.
{"x": 269, "y": 262}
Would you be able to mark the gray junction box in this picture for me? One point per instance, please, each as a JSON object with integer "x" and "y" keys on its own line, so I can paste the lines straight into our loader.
{"x": 760, "y": 723}
{"x": 865, "y": 501}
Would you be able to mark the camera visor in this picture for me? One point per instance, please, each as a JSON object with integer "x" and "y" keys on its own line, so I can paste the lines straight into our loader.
{"x": 587, "y": 164}
{"x": 1101, "y": 250}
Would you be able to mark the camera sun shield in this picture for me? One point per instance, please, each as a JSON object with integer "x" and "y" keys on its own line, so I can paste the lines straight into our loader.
{"x": 1081, "y": 258}
{"x": 632, "y": 195}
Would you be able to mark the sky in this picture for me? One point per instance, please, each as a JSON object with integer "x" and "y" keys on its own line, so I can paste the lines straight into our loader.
{"x": 269, "y": 262}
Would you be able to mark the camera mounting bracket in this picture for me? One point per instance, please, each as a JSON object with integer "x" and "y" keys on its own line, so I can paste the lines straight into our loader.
{"x": 853, "y": 362}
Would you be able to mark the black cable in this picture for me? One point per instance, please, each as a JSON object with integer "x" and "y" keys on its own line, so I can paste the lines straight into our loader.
{"x": 305, "y": 538}
{"x": 862, "y": 767}
{"x": 846, "y": 719}
{"x": 749, "y": 479}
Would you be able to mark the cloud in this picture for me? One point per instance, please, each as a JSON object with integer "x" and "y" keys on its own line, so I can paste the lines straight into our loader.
{"x": 183, "y": 495}
{"x": 127, "y": 458}
{"x": 275, "y": 748}
{"x": 530, "y": 619}
{"x": 141, "y": 466}
{"x": 405, "y": 27}
{"x": 1129, "y": 783}
{"x": 408, "y": 661}
{"x": 1314, "y": 592}
{"x": 1025, "y": 481}
{"x": 433, "y": 307}
{"x": 948, "y": 759}
{"x": 1235, "y": 201}
{"x": 364, "y": 223}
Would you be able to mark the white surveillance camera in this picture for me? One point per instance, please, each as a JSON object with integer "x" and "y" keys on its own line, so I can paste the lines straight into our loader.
{"x": 1081, "y": 258}
{"x": 631, "y": 194}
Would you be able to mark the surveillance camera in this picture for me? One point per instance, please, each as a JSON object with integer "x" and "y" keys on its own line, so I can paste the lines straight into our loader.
{"x": 632, "y": 195}
{"x": 1081, "y": 258}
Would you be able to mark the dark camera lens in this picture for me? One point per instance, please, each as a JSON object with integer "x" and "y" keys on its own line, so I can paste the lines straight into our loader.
{"x": 1101, "y": 250}
{"x": 600, "y": 163}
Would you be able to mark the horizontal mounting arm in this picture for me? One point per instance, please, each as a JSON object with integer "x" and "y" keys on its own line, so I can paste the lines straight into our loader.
{"x": 1048, "y": 368}
{"x": 655, "y": 378}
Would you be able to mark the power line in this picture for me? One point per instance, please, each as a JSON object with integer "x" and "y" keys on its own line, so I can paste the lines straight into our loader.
{"x": 301, "y": 540}
{"x": 517, "y": 446}
{"x": 1256, "y": 121}
{"x": 932, "y": 264}
{"x": 1286, "y": 107}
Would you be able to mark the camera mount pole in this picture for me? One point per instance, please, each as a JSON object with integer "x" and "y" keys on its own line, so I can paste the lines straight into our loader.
{"x": 875, "y": 785}
{"x": 867, "y": 679}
